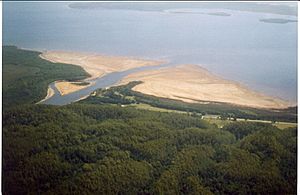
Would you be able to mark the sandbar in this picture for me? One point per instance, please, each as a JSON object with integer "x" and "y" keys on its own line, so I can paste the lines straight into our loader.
{"x": 194, "y": 84}
{"x": 95, "y": 64}
{"x": 66, "y": 87}
{"x": 50, "y": 93}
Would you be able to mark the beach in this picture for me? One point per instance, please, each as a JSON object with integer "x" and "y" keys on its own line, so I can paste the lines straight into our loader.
{"x": 188, "y": 83}
{"x": 193, "y": 84}
{"x": 65, "y": 87}
{"x": 94, "y": 64}
{"x": 50, "y": 93}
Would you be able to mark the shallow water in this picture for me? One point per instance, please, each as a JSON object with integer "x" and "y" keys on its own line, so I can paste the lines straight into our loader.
{"x": 239, "y": 47}
{"x": 105, "y": 81}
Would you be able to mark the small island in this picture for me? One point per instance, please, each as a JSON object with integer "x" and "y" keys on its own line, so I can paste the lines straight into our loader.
{"x": 198, "y": 12}
{"x": 219, "y": 14}
{"x": 277, "y": 20}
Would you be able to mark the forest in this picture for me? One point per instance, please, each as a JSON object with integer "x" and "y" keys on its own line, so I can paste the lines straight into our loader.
{"x": 107, "y": 149}
{"x": 98, "y": 146}
{"x": 26, "y": 76}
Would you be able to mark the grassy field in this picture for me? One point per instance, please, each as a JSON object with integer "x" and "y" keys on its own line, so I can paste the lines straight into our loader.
{"x": 212, "y": 119}
{"x": 152, "y": 108}
{"x": 283, "y": 125}
{"x": 221, "y": 123}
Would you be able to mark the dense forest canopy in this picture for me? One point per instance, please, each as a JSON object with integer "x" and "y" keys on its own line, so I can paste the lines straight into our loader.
{"x": 106, "y": 149}
{"x": 98, "y": 146}
{"x": 26, "y": 76}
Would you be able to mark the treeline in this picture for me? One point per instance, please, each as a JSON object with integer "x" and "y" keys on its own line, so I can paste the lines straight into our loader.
{"x": 125, "y": 95}
{"x": 107, "y": 149}
{"x": 26, "y": 76}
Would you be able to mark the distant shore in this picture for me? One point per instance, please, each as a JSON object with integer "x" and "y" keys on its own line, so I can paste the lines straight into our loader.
{"x": 277, "y": 20}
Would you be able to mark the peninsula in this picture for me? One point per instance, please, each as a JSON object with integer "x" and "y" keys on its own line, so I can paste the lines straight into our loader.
{"x": 277, "y": 20}
{"x": 94, "y": 64}
{"x": 193, "y": 84}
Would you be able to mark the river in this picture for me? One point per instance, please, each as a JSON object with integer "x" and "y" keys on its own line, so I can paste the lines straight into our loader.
{"x": 101, "y": 82}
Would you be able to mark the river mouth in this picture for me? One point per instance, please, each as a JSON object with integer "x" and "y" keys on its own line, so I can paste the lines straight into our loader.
{"x": 101, "y": 82}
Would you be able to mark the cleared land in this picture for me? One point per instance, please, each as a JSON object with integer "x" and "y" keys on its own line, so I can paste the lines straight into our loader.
{"x": 214, "y": 119}
{"x": 193, "y": 84}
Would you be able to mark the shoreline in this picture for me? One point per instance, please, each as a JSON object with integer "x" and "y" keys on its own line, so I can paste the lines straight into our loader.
{"x": 50, "y": 93}
{"x": 67, "y": 87}
{"x": 194, "y": 84}
{"x": 96, "y": 65}
{"x": 188, "y": 83}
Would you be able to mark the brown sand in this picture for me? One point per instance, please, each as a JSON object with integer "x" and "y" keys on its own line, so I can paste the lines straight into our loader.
{"x": 50, "y": 93}
{"x": 193, "y": 84}
{"x": 65, "y": 87}
{"x": 94, "y": 64}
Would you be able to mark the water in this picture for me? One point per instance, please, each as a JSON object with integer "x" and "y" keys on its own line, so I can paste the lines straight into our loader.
{"x": 105, "y": 81}
{"x": 262, "y": 56}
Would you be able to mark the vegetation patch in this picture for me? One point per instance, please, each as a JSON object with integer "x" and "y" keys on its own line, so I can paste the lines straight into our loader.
{"x": 107, "y": 149}
{"x": 26, "y": 76}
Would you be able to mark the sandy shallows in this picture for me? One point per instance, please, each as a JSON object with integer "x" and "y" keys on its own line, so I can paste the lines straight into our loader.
{"x": 65, "y": 87}
{"x": 191, "y": 83}
{"x": 96, "y": 65}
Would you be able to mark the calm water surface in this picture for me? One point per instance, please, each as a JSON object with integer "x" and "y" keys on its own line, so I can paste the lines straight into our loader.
{"x": 105, "y": 81}
{"x": 239, "y": 47}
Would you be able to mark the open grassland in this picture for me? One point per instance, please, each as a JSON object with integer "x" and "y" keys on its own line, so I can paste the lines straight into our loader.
{"x": 214, "y": 119}
{"x": 152, "y": 108}
{"x": 221, "y": 123}
{"x": 284, "y": 125}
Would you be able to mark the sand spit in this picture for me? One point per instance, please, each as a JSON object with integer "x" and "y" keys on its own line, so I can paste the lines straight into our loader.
{"x": 193, "y": 84}
{"x": 65, "y": 87}
{"x": 94, "y": 64}
{"x": 50, "y": 93}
